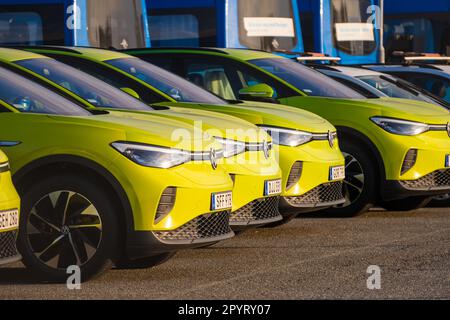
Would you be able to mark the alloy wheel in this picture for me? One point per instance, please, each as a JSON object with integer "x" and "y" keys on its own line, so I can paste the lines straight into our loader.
{"x": 64, "y": 228}
{"x": 354, "y": 179}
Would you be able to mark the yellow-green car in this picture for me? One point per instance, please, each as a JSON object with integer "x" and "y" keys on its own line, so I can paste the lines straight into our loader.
{"x": 247, "y": 149}
{"x": 309, "y": 154}
{"x": 97, "y": 188}
{"x": 9, "y": 214}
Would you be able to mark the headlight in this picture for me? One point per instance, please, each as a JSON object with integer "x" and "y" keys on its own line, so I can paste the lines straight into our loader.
{"x": 401, "y": 127}
{"x": 152, "y": 156}
{"x": 288, "y": 137}
{"x": 231, "y": 148}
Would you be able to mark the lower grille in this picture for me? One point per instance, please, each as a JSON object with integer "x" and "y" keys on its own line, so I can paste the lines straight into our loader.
{"x": 257, "y": 212}
{"x": 207, "y": 226}
{"x": 436, "y": 180}
{"x": 8, "y": 244}
{"x": 330, "y": 193}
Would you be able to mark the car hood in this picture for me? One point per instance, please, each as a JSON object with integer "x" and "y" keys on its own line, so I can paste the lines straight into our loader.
{"x": 146, "y": 129}
{"x": 389, "y": 107}
{"x": 214, "y": 123}
{"x": 259, "y": 113}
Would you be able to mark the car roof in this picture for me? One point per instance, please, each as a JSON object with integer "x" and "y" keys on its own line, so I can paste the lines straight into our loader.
{"x": 356, "y": 72}
{"x": 243, "y": 54}
{"x": 429, "y": 69}
{"x": 13, "y": 55}
{"x": 95, "y": 53}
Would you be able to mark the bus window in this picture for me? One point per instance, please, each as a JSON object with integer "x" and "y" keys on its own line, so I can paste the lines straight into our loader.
{"x": 409, "y": 35}
{"x": 175, "y": 30}
{"x": 267, "y": 24}
{"x": 193, "y": 27}
{"x": 32, "y": 24}
{"x": 352, "y": 32}
{"x": 20, "y": 28}
{"x": 111, "y": 23}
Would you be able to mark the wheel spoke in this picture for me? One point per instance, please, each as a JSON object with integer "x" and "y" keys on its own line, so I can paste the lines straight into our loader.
{"x": 64, "y": 228}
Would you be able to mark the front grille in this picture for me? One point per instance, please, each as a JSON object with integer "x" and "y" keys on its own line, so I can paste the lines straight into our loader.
{"x": 436, "y": 180}
{"x": 211, "y": 225}
{"x": 256, "y": 212}
{"x": 8, "y": 244}
{"x": 321, "y": 195}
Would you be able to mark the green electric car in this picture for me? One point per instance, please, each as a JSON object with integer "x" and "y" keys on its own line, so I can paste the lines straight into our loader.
{"x": 99, "y": 188}
{"x": 248, "y": 157}
{"x": 309, "y": 154}
{"x": 397, "y": 152}
{"x": 9, "y": 214}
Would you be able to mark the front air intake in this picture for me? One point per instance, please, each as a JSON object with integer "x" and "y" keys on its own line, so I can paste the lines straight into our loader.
{"x": 294, "y": 175}
{"x": 166, "y": 203}
{"x": 410, "y": 161}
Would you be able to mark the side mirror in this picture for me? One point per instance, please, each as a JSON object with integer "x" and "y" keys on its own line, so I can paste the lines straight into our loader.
{"x": 131, "y": 92}
{"x": 258, "y": 92}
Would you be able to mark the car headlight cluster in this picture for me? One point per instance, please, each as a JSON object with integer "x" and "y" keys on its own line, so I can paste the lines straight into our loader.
{"x": 401, "y": 127}
{"x": 152, "y": 156}
{"x": 288, "y": 137}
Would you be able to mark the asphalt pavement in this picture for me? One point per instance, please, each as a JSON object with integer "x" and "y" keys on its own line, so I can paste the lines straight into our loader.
{"x": 310, "y": 258}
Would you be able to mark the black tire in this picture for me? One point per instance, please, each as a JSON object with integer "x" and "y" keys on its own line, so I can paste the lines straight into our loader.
{"x": 87, "y": 238}
{"x": 145, "y": 263}
{"x": 408, "y": 204}
{"x": 360, "y": 195}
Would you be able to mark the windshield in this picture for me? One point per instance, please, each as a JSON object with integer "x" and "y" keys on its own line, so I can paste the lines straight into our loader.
{"x": 393, "y": 89}
{"x": 115, "y": 23}
{"x": 353, "y": 31}
{"x": 29, "y": 97}
{"x": 98, "y": 93}
{"x": 174, "y": 86}
{"x": 266, "y": 24}
{"x": 309, "y": 81}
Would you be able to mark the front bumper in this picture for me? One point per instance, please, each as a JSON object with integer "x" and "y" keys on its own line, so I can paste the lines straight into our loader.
{"x": 324, "y": 196}
{"x": 256, "y": 214}
{"x": 314, "y": 190}
{"x": 432, "y": 184}
{"x": 8, "y": 249}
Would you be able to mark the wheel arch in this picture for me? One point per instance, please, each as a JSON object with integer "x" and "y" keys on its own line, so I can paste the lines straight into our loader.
{"x": 351, "y": 134}
{"x": 42, "y": 167}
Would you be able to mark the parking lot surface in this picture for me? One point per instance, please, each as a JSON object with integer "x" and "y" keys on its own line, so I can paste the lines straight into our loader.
{"x": 310, "y": 258}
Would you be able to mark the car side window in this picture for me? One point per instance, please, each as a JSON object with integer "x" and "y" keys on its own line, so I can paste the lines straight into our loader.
{"x": 226, "y": 77}
{"x": 111, "y": 77}
{"x": 438, "y": 86}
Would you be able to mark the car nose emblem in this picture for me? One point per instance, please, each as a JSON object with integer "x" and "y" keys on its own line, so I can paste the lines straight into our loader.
{"x": 331, "y": 138}
{"x": 448, "y": 129}
{"x": 213, "y": 158}
{"x": 266, "y": 149}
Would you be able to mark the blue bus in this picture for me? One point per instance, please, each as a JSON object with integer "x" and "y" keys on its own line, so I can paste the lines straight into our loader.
{"x": 349, "y": 29}
{"x": 97, "y": 23}
{"x": 257, "y": 24}
{"x": 417, "y": 26}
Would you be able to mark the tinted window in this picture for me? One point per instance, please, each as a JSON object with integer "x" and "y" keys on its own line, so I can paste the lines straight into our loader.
{"x": 309, "y": 81}
{"x": 32, "y": 24}
{"x": 438, "y": 86}
{"x": 115, "y": 23}
{"x": 267, "y": 24}
{"x": 346, "y": 12}
{"x": 169, "y": 83}
{"x": 192, "y": 27}
{"x": 111, "y": 77}
{"x": 96, "y": 92}
{"x": 29, "y": 97}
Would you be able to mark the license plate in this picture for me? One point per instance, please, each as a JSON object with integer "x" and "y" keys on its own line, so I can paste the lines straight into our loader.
{"x": 223, "y": 200}
{"x": 337, "y": 173}
{"x": 272, "y": 187}
{"x": 447, "y": 161}
{"x": 9, "y": 219}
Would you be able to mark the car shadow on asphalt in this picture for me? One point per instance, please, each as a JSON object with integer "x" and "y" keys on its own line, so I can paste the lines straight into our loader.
{"x": 18, "y": 276}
